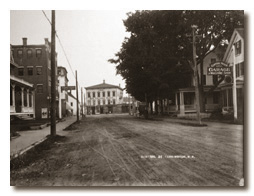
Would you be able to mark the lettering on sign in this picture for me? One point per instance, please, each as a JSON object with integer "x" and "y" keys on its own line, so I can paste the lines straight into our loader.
{"x": 219, "y": 68}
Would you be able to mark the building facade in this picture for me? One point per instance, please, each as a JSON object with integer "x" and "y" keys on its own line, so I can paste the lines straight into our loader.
{"x": 232, "y": 91}
{"x": 63, "y": 94}
{"x": 22, "y": 99}
{"x": 35, "y": 68}
{"x": 104, "y": 98}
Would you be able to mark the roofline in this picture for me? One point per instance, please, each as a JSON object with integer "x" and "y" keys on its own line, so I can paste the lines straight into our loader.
{"x": 235, "y": 32}
{"x": 88, "y": 88}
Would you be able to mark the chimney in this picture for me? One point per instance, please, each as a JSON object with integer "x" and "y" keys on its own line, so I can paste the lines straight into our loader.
{"x": 24, "y": 41}
{"x": 103, "y": 81}
{"x": 46, "y": 40}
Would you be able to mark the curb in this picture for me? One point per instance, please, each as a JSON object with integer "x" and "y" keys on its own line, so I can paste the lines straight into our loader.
{"x": 16, "y": 155}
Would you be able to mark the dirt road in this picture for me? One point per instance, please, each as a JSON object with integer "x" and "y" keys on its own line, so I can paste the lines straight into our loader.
{"x": 121, "y": 150}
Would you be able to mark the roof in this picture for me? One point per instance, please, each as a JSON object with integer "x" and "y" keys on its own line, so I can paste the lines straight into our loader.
{"x": 103, "y": 86}
{"x": 240, "y": 31}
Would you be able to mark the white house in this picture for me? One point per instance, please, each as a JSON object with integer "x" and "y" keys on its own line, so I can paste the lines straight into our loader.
{"x": 104, "y": 98}
{"x": 233, "y": 90}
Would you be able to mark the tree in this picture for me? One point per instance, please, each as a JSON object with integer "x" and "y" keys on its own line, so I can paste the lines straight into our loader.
{"x": 147, "y": 60}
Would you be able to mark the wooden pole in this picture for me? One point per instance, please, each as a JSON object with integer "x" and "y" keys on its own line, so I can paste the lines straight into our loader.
{"x": 77, "y": 95}
{"x": 53, "y": 78}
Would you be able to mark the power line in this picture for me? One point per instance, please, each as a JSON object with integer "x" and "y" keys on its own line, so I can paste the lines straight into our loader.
{"x": 59, "y": 40}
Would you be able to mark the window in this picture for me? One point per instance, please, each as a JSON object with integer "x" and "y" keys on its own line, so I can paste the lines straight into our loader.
{"x": 238, "y": 47}
{"x": 38, "y": 53}
{"x": 204, "y": 79}
{"x": 114, "y": 101}
{"x": 39, "y": 88}
{"x": 108, "y": 93}
{"x": 20, "y": 71}
{"x": 88, "y": 94}
{"x": 99, "y": 102}
{"x": 29, "y": 53}
{"x": 103, "y": 94}
{"x": 20, "y": 53}
{"x": 98, "y": 94}
{"x": 49, "y": 80}
{"x": 108, "y": 102}
{"x": 215, "y": 79}
{"x": 114, "y": 93}
{"x": 30, "y": 71}
{"x": 239, "y": 69}
{"x": 93, "y": 102}
{"x": 71, "y": 103}
{"x": 216, "y": 97}
{"x": 93, "y": 94}
{"x": 38, "y": 70}
{"x": 213, "y": 60}
{"x": 104, "y": 101}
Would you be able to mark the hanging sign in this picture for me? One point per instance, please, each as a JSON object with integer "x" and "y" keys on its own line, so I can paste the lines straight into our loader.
{"x": 65, "y": 88}
{"x": 219, "y": 68}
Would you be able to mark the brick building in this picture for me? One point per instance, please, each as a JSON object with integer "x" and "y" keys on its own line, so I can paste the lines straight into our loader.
{"x": 35, "y": 67}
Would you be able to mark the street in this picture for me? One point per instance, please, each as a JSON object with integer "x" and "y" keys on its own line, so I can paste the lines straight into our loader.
{"x": 122, "y": 150}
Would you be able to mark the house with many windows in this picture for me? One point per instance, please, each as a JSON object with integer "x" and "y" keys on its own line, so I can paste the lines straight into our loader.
{"x": 22, "y": 102}
{"x": 35, "y": 68}
{"x": 104, "y": 98}
{"x": 232, "y": 91}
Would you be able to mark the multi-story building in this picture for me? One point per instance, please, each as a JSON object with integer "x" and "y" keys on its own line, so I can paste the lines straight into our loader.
{"x": 104, "y": 98}
{"x": 21, "y": 94}
{"x": 63, "y": 94}
{"x": 35, "y": 68}
{"x": 232, "y": 91}
{"x": 72, "y": 104}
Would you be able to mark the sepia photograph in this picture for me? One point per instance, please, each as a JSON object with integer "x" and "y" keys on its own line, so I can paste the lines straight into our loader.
{"x": 127, "y": 98}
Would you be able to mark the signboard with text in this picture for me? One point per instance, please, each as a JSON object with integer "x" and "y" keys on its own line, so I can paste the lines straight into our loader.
{"x": 219, "y": 68}
{"x": 65, "y": 88}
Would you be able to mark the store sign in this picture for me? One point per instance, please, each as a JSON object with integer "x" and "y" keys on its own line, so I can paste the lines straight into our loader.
{"x": 65, "y": 88}
{"x": 219, "y": 68}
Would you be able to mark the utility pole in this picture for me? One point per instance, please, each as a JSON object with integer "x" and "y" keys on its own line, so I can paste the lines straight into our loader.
{"x": 77, "y": 95}
{"x": 234, "y": 86}
{"x": 194, "y": 27}
{"x": 82, "y": 112}
{"x": 53, "y": 77}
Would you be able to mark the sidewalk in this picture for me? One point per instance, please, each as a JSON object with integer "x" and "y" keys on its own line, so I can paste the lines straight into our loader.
{"x": 29, "y": 137}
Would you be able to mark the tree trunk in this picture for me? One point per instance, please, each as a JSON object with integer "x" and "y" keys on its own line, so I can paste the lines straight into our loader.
{"x": 156, "y": 107}
{"x": 161, "y": 107}
{"x": 151, "y": 107}
{"x": 201, "y": 87}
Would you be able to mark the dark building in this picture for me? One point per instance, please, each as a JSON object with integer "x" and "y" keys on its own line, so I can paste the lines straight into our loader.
{"x": 35, "y": 67}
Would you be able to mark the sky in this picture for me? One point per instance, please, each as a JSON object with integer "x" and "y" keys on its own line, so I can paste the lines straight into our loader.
{"x": 89, "y": 39}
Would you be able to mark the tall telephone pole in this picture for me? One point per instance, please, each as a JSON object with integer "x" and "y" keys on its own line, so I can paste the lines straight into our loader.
{"x": 194, "y": 27}
{"x": 53, "y": 78}
{"x": 82, "y": 109}
{"x": 77, "y": 95}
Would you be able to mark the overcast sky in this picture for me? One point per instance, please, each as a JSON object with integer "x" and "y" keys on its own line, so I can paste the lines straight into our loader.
{"x": 90, "y": 38}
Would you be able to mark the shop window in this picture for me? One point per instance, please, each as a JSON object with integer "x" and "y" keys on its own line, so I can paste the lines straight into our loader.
{"x": 20, "y": 71}
{"x": 30, "y": 71}
{"x": 39, "y": 88}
